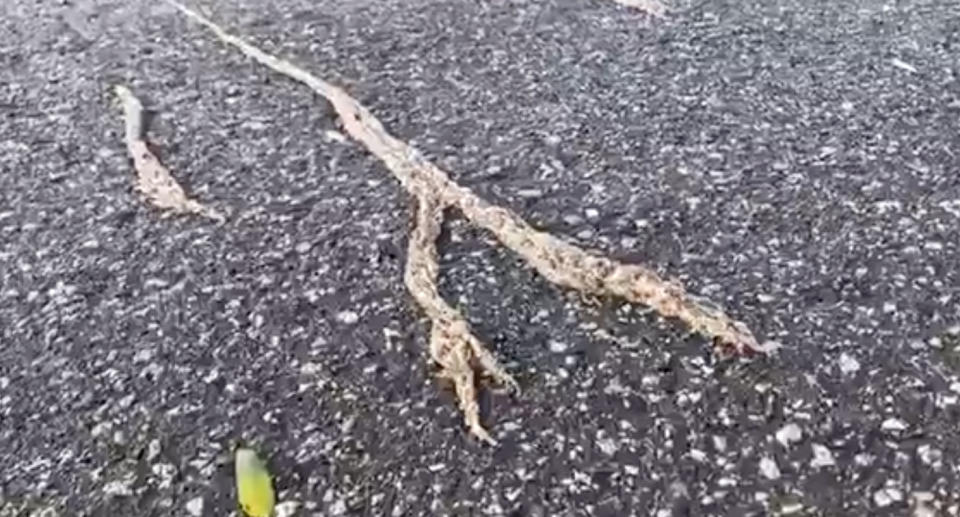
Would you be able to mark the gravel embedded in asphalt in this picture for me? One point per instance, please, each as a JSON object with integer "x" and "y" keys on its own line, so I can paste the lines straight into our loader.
{"x": 794, "y": 161}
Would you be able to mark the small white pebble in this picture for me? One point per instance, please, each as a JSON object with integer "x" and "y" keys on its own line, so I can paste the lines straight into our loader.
{"x": 849, "y": 364}
{"x": 335, "y": 136}
{"x": 195, "y": 506}
{"x": 338, "y": 508}
{"x": 558, "y": 347}
{"x": 348, "y": 317}
{"x": 726, "y": 482}
{"x": 608, "y": 446}
{"x": 822, "y": 457}
{"x": 286, "y": 509}
{"x": 698, "y": 455}
{"x": 789, "y": 433}
{"x": 903, "y": 65}
{"x": 719, "y": 443}
{"x": 887, "y": 496}
{"x": 893, "y": 424}
{"x": 164, "y": 473}
{"x": 769, "y": 468}
{"x": 530, "y": 193}
{"x": 929, "y": 455}
{"x": 118, "y": 488}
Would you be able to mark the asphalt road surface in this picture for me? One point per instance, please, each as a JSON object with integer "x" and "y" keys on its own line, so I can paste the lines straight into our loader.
{"x": 797, "y": 161}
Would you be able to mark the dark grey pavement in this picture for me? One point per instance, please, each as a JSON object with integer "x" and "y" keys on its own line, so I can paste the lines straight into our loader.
{"x": 797, "y": 161}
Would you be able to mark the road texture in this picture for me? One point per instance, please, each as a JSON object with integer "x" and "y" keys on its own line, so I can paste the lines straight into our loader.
{"x": 796, "y": 161}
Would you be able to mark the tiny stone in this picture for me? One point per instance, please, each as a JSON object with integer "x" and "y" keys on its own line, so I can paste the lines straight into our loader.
{"x": 848, "y": 364}
{"x": 789, "y": 433}
{"x": 286, "y": 509}
{"x": 903, "y": 65}
{"x": 117, "y": 488}
{"x": 928, "y": 455}
{"x": 339, "y": 507}
{"x": 822, "y": 457}
{"x": 348, "y": 317}
{"x": 195, "y": 506}
{"x": 698, "y": 455}
{"x": 530, "y": 193}
{"x": 591, "y": 213}
{"x": 608, "y": 446}
{"x": 769, "y": 468}
{"x": 335, "y": 136}
{"x": 893, "y": 424}
{"x": 886, "y": 496}
{"x": 165, "y": 473}
{"x": 726, "y": 482}
{"x": 558, "y": 347}
{"x": 303, "y": 247}
{"x": 719, "y": 443}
